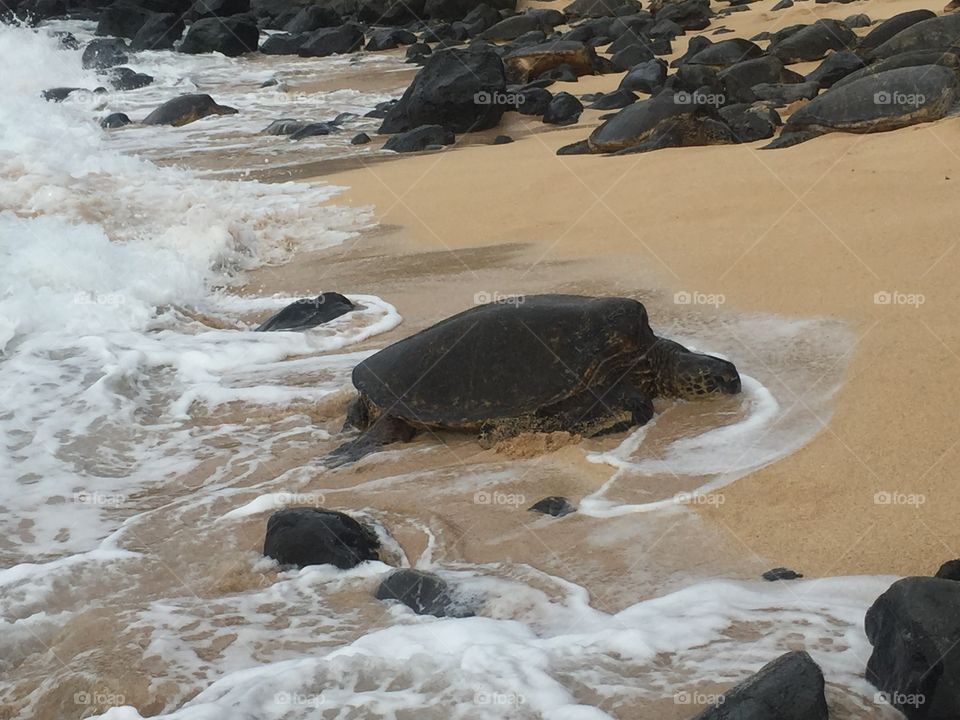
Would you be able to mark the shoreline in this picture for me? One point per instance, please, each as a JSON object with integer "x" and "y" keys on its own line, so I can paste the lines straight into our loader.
{"x": 807, "y": 243}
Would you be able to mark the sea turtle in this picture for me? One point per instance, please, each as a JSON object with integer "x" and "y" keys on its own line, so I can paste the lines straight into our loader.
{"x": 543, "y": 363}
{"x": 814, "y": 41}
{"x": 527, "y": 63}
{"x": 666, "y": 120}
{"x": 907, "y": 59}
{"x": 888, "y": 28}
{"x": 936, "y": 33}
{"x": 185, "y": 109}
{"x": 875, "y": 103}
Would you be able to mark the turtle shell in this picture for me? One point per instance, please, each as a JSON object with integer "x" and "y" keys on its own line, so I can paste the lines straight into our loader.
{"x": 635, "y": 123}
{"x": 885, "y": 101}
{"x": 506, "y": 359}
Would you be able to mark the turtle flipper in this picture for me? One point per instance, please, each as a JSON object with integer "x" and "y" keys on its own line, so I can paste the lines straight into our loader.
{"x": 384, "y": 431}
{"x": 789, "y": 139}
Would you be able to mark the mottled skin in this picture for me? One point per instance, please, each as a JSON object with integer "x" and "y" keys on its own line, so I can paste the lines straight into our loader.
{"x": 548, "y": 363}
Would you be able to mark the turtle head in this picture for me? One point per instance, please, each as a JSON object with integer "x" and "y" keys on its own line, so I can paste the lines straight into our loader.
{"x": 681, "y": 373}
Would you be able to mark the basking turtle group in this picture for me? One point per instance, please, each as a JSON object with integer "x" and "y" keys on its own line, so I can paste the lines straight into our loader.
{"x": 585, "y": 365}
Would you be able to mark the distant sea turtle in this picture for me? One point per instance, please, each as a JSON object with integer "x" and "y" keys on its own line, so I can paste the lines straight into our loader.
{"x": 542, "y": 363}
{"x": 886, "y": 101}
{"x": 527, "y": 63}
{"x": 186, "y": 109}
{"x": 936, "y": 33}
{"x": 667, "y": 120}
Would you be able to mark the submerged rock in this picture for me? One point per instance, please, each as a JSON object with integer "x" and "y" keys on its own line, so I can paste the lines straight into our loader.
{"x": 312, "y": 536}
{"x": 788, "y": 688}
{"x": 422, "y": 592}
{"x": 781, "y": 573}
{"x": 554, "y": 505}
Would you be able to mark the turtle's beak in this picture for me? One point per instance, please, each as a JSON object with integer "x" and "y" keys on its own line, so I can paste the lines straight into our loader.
{"x": 729, "y": 379}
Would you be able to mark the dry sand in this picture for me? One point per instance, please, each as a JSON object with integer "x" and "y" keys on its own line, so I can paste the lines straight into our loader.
{"x": 811, "y": 231}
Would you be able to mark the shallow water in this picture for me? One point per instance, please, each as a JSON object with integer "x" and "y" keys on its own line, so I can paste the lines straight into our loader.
{"x": 148, "y": 433}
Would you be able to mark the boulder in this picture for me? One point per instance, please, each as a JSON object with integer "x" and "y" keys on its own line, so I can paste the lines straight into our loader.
{"x": 313, "y": 536}
{"x": 689, "y": 14}
{"x": 104, "y": 53}
{"x": 788, "y": 688}
{"x": 458, "y": 9}
{"x": 122, "y": 19}
{"x": 564, "y": 109}
{"x": 647, "y": 77}
{"x": 159, "y": 32}
{"x": 360, "y": 139}
{"x": 457, "y": 89}
{"x": 218, "y": 8}
{"x": 283, "y": 44}
{"x": 313, "y": 17}
{"x": 347, "y": 38}
{"x": 914, "y": 628}
{"x": 422, "y": 592}
{"x": 231, "y": 36}
{"x": 534, "y": 101}
{"x": 421, "y": 138}
{"x": 580, "y": 9}
{"x": 388, "y": 39}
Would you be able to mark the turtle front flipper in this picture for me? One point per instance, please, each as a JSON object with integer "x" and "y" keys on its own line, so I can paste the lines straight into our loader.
{"x": 384, "y": 431}
{"x": 791, "y": 138}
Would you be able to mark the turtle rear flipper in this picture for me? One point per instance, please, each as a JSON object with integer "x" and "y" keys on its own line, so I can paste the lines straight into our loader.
{"x": 789, "y": 139}
{"x": 384, "y": 431}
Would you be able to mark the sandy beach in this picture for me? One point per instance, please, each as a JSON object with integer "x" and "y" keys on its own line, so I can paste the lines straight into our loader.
{"x": 813, "y": 231}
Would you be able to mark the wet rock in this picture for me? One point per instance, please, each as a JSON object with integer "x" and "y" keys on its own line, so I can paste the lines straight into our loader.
{"x": 124, "y": 78}
{"x": 789, "y": 688}
{"x": 381, "y": 110}
{"x": 313, "y": 130}
{"x": 122, "y": 19}
{"x": 580, "y": 9}
{"x": 456, "y": 89}
{"x": 781, "y": 573}
{"x": 59, "y": 94}
{"x": 114, "y": 120}
{"x": 914, "y": 628}
{"x": 314, "y": 536}
{"x": 159, "y": 32}
{"x": 554, "y": 505}
{"x": 308, "y": 313}
{"x": 313, "y": 17}
{"x": 422, "y": 592}
{"x": 418, "y": 53}
{"x": 390, "y": 38}
{"x": 347, "y": 38}
{"x": 564, "y": 109}
{"x": 283, "y": 44}
{"x": 360, "y": 139}
{"x": 231, "y": 36}
{"x": 104, "y": 53}
{"x": 218, "y": 8}
{"x": 422, "y": 138}
{"x": 646, "y": 77}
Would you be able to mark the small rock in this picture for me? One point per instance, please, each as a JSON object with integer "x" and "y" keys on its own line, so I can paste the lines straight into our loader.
{"x": 554, "y": 505}
{"x": 502, "y": 140}
{"x": 312, "y": 536}
{"x": 781, "y": 573}
{"x": 422, "y": 592}
{"x": 360, "y": 139}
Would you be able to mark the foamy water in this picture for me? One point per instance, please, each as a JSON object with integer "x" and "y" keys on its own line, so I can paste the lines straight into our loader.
{"x": 147, "y": 432}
